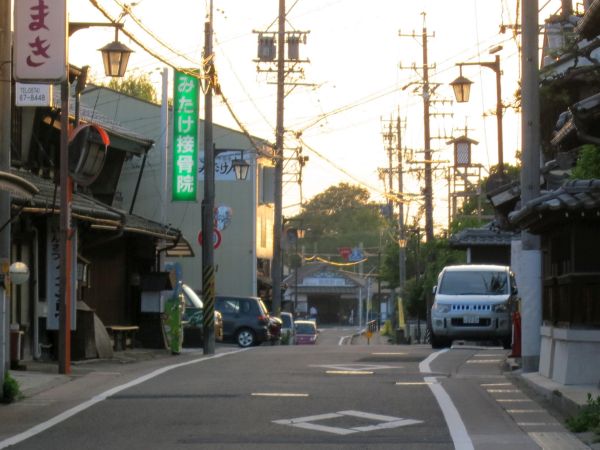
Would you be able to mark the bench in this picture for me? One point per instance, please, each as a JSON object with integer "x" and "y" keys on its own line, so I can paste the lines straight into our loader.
{"x": 122, "y": 336}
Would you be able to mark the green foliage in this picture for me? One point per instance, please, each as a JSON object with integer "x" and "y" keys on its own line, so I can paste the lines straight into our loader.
{"x": 424, "y": 261}
{"x": 138, "y": 86}
{"x": 588, "y": 418}
{"x": 10, "y": 389}
{"x": 386, "y": 330}
{"x": 588, "y": 163}
{"x": 476, "y": 206}
{"x": 340, "y": 216}
{"x": 286, "y": 338}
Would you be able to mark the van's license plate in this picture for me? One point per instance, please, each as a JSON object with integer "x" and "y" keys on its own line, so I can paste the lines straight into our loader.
{"x": 471, "y": 319}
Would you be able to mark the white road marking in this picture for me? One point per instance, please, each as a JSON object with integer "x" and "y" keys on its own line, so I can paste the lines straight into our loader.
{"x": 458, "y": 431}
{"x": 388, "y": 425}
{"x": 369, "y": 416}
{"x": 389, "y": 353}
{"x": 277, "y": 394}
{"x": 524, "y": 411}
{"x": 495, "y": 384}
{"x": 317, "y": 427}
{"x": 513, "y": 400}
{"x": 424, "y": 366}
{"x": 99, "y": 398}
{"x": 355, "y": 366}
{"x": 411, "y": 383}
{"x": 349, "y": 372}
{"x": 385, "y": 422}
{"x": 483, "y": 361}
{"x": 502, "y": 391}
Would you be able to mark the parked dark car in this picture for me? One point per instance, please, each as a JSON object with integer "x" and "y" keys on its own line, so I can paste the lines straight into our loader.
{"x": 245, "y": 319}
{"x": 193, "y": 317}
{"x": 275, "y": 325}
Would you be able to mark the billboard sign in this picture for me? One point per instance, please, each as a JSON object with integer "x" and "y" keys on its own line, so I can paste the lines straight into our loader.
{"x": 40, "y": 51}
{"x": 185, "y": 137}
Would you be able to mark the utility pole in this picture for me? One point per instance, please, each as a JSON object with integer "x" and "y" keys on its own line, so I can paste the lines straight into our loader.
{"x": 278, "y": 197}
{"x": 426, "y": 93}
{"x": 5, "y": 135}
{"x": 266, "y": 54}
{"x": 427, "y": 142}
{"x": 530, "y": 284}
{"x": 208, "y": 269}
{"x": 401, "y": 224}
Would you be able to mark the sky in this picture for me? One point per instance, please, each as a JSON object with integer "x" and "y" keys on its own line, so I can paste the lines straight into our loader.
{"x": 362, "y": 54}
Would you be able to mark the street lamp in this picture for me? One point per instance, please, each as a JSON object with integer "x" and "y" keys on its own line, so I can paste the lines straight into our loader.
{"x": 115, "y": 55}
{"x": 462, "y": 87}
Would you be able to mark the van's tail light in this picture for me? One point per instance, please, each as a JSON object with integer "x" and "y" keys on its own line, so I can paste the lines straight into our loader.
{"x": 264, "y": 319}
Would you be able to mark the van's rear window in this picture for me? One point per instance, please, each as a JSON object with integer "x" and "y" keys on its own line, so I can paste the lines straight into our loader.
{"x": 474, "y": 283}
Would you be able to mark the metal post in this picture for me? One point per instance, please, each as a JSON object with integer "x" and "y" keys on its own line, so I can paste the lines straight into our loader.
{"x": 208, "y": 203}
{"x": 5, "y": 135}
{"x": 530, "y": 261}
{"x": 278, "y": 207}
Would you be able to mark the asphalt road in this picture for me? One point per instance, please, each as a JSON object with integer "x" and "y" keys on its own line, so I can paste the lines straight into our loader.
{"x": 322, "y": 396}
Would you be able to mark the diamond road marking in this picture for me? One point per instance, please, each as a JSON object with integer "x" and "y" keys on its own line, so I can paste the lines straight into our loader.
{"x": 356, "y": 367}
{"x": 384, "y": 422}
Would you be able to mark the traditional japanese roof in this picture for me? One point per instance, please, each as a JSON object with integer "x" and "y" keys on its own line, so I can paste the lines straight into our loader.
{"x": 576, "y": 200}
{"x": 485, "y": 236}
{"x": 100, "y": 215}
{"x": 579, "y": 122}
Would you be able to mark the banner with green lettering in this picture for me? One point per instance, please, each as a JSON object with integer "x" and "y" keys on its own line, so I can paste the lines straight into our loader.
{"x": 185, "y": 137}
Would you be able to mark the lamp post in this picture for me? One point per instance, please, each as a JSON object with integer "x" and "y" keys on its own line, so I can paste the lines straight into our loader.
{"x": 462, "y": 87}
{"x": 115, "y": 57}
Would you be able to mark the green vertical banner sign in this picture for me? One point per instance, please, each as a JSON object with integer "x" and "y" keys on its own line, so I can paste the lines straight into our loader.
{"x": 185, "y": 137}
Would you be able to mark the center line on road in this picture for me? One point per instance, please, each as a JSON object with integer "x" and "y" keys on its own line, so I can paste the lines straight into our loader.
{"x": 496, "y": 384}
{"x": 524, "y": 411}
{"x": 483, "y": 361}
{"x": 277, "y": 394}
{"x": 389, "y": 353}
{"x": 349, "y": 372}
{"x": 412, "y": 383}
{"x": 513, "y": 400}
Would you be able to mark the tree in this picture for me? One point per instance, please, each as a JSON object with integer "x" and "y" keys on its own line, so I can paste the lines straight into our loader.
{"x": 424, "y": 261}
{"x": 588, "y": 163}
{"x": 469, "y": 213}
{"x": 341, "y": 216}
{"x": 138, "y": 86}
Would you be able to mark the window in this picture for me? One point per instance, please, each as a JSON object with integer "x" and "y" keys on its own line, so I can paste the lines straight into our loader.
{"x": 474, "y": 283}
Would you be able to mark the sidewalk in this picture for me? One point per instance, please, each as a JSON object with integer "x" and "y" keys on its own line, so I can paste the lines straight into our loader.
{"x": 40, "y": 376}
{"x": 566, "y": 399}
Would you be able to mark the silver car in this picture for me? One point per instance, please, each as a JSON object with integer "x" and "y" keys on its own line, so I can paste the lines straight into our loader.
{"x": 473, "y": 302}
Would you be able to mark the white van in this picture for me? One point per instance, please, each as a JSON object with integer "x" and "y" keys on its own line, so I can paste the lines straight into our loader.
{"x": 473, "y": 302}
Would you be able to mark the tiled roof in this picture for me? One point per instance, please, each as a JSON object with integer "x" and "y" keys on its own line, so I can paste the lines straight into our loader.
{"x": 485, "y": 236}
{"x": 577, "y": 198}
{"x": 88, "y": 209}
